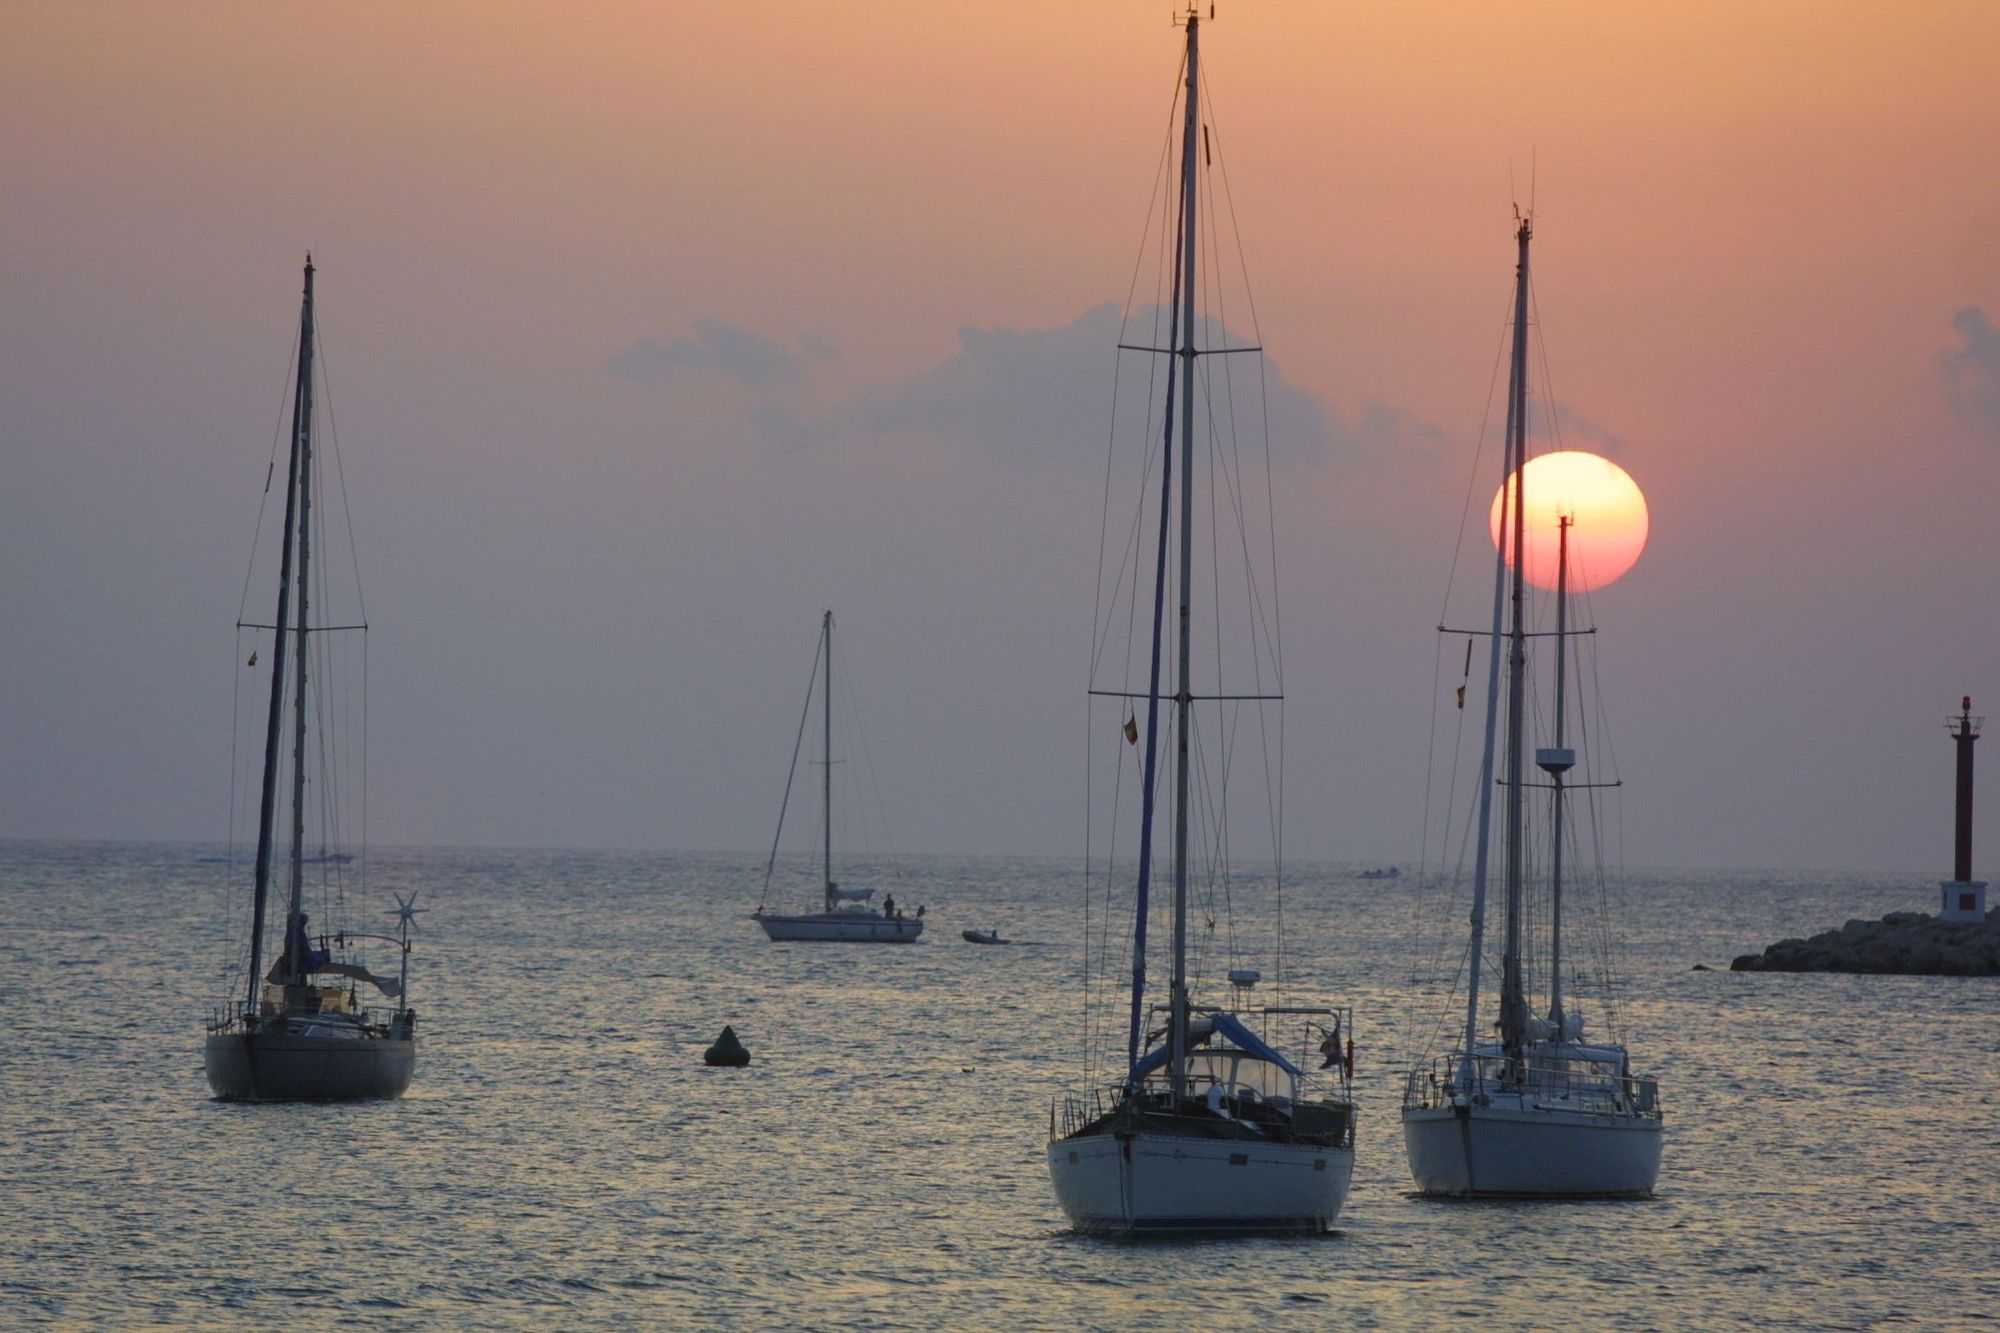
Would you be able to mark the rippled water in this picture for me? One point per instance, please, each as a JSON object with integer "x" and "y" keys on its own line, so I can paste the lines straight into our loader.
{"x": 1831, "y": 1158}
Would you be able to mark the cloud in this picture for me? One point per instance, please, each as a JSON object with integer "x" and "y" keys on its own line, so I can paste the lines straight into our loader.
{"x": 1020, "y": 393}
{"x": 1577, "y": 431}
{"x": 1383, "y": 429}
{"x": 1046, "y": 394}
{"x": 1034, "y": 395}
{"x": 1971, "y": 371}
{"x": 716, "y": 348}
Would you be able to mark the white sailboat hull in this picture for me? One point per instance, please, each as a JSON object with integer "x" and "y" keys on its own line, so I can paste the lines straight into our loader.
{"x": 1522, "y": 1152}
{"x": 1154, "y": 1184}
{"x": 844, "y": 927}
{"x": 288, "y": 1067}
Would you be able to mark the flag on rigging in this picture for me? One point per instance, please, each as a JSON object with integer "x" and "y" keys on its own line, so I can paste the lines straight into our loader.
{"x": 1461, "y": 698}
{"x": 1330, "y": 1048}
{"x": 253, "y": 658}
{"x": 1131, "y": 730}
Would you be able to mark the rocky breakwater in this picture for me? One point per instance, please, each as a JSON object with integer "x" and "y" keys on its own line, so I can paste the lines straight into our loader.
{"x": 1909, "y": 944}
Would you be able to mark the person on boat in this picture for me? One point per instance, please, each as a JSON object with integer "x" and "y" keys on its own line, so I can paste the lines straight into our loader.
{"x": 889, "y": 906}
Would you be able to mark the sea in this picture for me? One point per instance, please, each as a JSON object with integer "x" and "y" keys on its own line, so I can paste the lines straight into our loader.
{"x": 564, "y": 1158}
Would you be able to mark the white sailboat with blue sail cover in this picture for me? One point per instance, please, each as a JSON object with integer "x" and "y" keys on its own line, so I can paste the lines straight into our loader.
{"x": 1205, "y": 1117}
{"x": 301, "y": 1031}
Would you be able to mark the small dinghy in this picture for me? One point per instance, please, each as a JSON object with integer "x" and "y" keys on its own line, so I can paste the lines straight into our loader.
{"x": 983, "y": 937}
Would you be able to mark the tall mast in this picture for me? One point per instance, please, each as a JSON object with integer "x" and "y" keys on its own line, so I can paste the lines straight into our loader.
{"x": 1148, "y": 804}
{"x": 826, "y": 757}
{"x": 1513, "y": 1005}
{"x": 295, "y": 973}
{"x": 273, "y": 726}
{"x": 1183, "y": 699}
{"x": 1555, "y": 763}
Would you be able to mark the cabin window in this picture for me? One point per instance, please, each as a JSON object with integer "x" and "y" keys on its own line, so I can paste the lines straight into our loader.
{"x": 1966, "y": 902}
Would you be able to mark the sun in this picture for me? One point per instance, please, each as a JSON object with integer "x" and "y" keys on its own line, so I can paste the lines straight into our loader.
{"x": 1609, "y": 519}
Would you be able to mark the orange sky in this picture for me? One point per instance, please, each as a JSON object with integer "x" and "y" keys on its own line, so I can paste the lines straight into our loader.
{"x": 1756, "y": 222}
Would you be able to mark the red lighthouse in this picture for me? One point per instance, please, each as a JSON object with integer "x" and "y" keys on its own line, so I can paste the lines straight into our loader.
{"x": 1961, "y": 898}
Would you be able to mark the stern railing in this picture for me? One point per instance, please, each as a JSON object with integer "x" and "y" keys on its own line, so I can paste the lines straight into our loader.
{"x": 1438, "y": 1084}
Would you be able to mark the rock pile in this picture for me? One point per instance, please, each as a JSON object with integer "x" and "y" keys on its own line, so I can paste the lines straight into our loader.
{"x": 1900, "y": 944}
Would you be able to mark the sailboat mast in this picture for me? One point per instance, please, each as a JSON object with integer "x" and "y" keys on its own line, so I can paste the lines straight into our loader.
{"x": 826, "y": 760}
{"x": 295, "y": 973}
{"x": 1563, "y": 523}
{"x": 1183, "y": 698}
{"x": 1513, "y": 1004}
{"x": 273, "y": 726}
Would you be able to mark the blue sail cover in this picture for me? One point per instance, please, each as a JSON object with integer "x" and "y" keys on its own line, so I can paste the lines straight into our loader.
{"x": 300, "y": 948}
{"x": 1232, "y": 1027}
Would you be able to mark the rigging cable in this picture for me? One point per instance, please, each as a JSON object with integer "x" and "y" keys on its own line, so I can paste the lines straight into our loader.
{"x": 1260, "y": 625}
{"x": 791, "y": 772}
{"x": 1420, "y": 900}
{"x": 230, "y": 899}
{"x": 360, "y": 596}
{"x": 1101, "y": 620}
{"x": 853, "y": 698}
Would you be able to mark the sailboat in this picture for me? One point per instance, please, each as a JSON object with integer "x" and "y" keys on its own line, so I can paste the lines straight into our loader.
{"x": 1536, "y": 1109}
{"x": 301, "y": 1032}
{"x": 1212, "y": 1126}
{"x": 845, "y": 914}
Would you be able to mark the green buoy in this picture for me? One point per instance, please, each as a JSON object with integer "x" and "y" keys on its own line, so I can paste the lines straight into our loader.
{"x": 727, "y": 1051}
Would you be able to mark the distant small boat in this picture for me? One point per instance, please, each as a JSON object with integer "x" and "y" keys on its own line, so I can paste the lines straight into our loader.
{"x": 1383, "y": 872}
{"x": 843, "y": 915}
{"x": 983, "y": 937}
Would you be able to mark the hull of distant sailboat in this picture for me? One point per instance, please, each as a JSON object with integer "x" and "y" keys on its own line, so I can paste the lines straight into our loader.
{"x": 1163, "y": 1185}
{"x": 1505, "y": 1151}
{"x": 291, "y": 1066}
{"x": 844, "y": 927}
